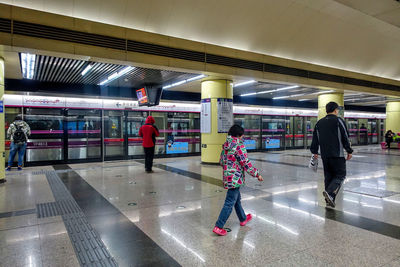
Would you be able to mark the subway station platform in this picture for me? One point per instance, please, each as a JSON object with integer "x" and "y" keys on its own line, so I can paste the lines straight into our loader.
{"x": 115, "y": 214}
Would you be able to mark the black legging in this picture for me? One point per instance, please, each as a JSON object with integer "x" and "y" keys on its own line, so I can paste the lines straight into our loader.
{"x": 388, "y": 141}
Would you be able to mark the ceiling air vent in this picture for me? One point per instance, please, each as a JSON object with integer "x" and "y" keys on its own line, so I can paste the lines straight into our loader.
{"x": 5, "y": 25}
{"x": 325, "y": 77}
{"x": 41, "y": 31}
{"x": 234, "y": 62}
{"x": 285, "y": 70}
{"x": 159, "y": 50}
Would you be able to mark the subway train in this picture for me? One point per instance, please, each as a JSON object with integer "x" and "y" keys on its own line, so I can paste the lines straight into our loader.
{"x": 68, "y": 130}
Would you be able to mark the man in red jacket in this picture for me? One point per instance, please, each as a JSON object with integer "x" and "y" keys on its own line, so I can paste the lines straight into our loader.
{"x": 149, "y": 132}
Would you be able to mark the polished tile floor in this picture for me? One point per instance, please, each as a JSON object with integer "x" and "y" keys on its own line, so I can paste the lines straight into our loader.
{"x": 166, "y": 218}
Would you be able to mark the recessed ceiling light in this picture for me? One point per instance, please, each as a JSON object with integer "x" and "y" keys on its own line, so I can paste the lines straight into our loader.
{"x": 88, "y": 67}
{"x": 28, "y": 65}
{"x": 116, "y": 75}
{"x": 244, "y": 83}
{"x": 184, "y": 81}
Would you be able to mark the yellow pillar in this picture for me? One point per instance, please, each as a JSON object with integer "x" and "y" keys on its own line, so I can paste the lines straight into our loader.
{"x": 393, "y": 116}
{"x": 211, "y": 143}
{"x": 324, "y": 99}
{"x": 2, "y": 132}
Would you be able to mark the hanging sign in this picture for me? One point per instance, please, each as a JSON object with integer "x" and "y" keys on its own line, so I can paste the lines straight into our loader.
{"x": 205, "y": 119}
{"x": 225, "y": 114}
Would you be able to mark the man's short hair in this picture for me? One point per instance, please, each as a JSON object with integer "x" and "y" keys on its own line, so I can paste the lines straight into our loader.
{"x": 236, "y": 131}
{"x": 331, "y": 106}
{"x": 18, "y": 117}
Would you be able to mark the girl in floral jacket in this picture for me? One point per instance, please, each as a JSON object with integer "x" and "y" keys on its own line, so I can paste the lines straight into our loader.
{"x": 234, "y": 162}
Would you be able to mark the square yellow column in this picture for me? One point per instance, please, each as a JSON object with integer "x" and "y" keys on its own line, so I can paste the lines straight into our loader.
{"x": 211, "y": 142}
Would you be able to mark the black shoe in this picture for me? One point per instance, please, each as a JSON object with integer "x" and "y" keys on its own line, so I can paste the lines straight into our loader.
{"x": 149, "y": 171}
{"x": 329, "y": 200}
{"x": 2, "y": 181}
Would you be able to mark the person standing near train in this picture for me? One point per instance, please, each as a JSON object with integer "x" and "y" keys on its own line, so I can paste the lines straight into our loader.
{"x": 18, "y": 133}
{"x": 149, "y": 132}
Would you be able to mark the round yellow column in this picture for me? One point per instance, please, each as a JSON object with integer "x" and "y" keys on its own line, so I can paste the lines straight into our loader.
{"x": 393, "y": 116}
{"x": 211, "y": 143}
{"x": 324, "y": 99}
{"x": 2, "y": 132}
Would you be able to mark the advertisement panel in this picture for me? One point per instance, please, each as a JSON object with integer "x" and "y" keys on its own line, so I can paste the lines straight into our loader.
{"x": 205, "y": 118}
{"x": 225, "y": 114}
{"x": 272, "y": 143}
{"x": 177, "y": 147}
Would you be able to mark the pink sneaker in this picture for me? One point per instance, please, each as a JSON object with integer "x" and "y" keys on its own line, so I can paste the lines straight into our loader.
{"x": 219, "y": 231}
{"x": 248, "y": 218}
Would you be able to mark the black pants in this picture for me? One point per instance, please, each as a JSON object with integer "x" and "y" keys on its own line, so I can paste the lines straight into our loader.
{"x": 335, "y": 173}
{"x": 148, "y": 155}
{"x": 388, "y": 141}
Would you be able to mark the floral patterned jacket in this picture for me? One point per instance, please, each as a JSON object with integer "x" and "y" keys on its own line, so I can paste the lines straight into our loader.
{"x": 235, "y": 162}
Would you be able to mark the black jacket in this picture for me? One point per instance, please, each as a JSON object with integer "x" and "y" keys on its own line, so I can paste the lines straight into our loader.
{"x": 331, "y": 135}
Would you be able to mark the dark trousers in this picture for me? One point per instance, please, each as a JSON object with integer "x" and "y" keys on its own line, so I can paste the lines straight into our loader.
{"x": 335, "y": 174}
{"x": 388, "y": 141}
{"x": 148, "y": 155}
{"x": 232, "y": 200}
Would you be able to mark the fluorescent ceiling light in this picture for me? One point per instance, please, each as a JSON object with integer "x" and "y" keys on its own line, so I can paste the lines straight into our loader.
{"x": 244, "y": 83}
{"x": 28, "y": 65}
{"x": 303, "y": 99}
{"x": 286, "y": 88}
{"x": 248, "y": 94}
{"x": 184, "y": 81}
{"x": 88, "y": 67}
{"x": 273, "y": 90}
{"x": 287, "y": 96}
{"x": 116, "y": 75}
{"x": 195, "y": 78}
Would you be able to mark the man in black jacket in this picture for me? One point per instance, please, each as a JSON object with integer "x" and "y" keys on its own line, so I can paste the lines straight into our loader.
{"x": 331, "y": 136}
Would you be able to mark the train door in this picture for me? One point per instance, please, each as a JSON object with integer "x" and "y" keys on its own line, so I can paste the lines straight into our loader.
{"x": 382, "y": 130}
{"x": 9, "y": 117}
{"x": 273, "y": 132}
{"x": 289, "y": 132}
{"x": 372, "y": 131}
{"x": 298, "y": 135}
{"x": 182, "y": 133}
{"x": 84, "y": 139}
{"x": 310, "y": 125}
{"x": 352, "y": 125}
{"x": 363, "y": 131}
{"x": 161, "y": 141}
{"x": 114, "y": 134}
{"x": 46, "y": 142}
{"x": 134, "y": 120}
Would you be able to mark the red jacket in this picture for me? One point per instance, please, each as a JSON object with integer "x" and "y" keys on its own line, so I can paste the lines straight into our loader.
{"x": 149, "y": 132}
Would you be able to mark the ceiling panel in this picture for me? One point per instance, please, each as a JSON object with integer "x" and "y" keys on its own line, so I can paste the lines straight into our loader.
{"x": 67, "y": 70}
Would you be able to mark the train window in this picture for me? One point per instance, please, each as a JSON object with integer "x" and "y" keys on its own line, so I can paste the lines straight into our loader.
{"x": 46, "y": 142}
{"x": 84, "y": 134}
{"x": 114, "y": 138}
{"x": 273, "y": 132}
{"x": 134, "y": 121}
{"x": 182, "y": 133}
{"x": 252, "y": 131}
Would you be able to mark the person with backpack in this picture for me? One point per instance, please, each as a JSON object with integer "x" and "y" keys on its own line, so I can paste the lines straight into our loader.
{"x": 332, "y": 137}
{"x": 149, "y": 132}
{"x": 234, "y": 162}
{"x": 18, "y": 133}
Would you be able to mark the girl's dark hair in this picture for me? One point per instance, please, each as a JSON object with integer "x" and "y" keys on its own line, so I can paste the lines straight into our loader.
{"x": 236, "y": 131}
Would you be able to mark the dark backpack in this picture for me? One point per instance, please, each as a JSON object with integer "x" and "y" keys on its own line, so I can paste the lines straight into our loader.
{"x": 19, "y": 136}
